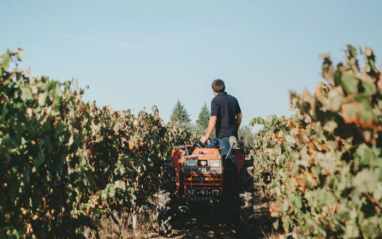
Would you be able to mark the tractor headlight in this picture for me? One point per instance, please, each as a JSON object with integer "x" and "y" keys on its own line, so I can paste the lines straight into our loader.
{"x": 191, "y": 162}
{"x": 215, "y": 163}
{"x": 202, "y": 163}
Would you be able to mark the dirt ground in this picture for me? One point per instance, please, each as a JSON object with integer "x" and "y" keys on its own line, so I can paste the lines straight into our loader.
{"x": 120, "y": 226}
{"x": 263, "y": 228}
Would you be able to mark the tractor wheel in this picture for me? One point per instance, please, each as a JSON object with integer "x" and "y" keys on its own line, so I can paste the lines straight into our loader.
{"x": 164, "y": 213}
{"x": 247, "y": 220}
{"x": 247, "y": 226}
{"x": 169, "y": 176}
{"x": 246, "y": 178}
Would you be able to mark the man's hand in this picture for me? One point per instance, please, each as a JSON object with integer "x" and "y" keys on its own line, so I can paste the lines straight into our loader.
{"x": 203, "y": 139}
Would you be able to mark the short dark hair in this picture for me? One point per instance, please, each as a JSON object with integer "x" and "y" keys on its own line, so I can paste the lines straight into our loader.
{"x": 218, "y": 85}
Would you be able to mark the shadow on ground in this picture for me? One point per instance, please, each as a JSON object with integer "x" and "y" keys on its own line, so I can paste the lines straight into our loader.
{"x": 112, "y": 227}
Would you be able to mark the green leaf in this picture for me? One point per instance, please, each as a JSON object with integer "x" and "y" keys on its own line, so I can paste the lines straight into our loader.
{"x": 335, "y": 98}
{"x": 42, "y": 98}
{"x": 351, "y": 63}
{"x": 352, "y": 230}
{"x": 4, "y": 61}
{"x": 365, "y": 154}
{"x": 296, "y": 199}
{"x": 111, "y": 190}
{"x": 366, "y": 118}
{"x": 103, "y": 195}
{"x": 26, "y": 93}
{"x": 55, "y": 88}
{"x": 118, "y": 126}
{"x": 328, "y": 70}
{"x": 330, "y": 126}
{"x": 120, "y": 185}
{"x": 39, "y": 160}
{"x": 71, "y": 140}
{"x": 349, "y": 82}
{"x": 366, "y": 180}
{"x": 368, "y": 87}
{"x": 276, "y": 224}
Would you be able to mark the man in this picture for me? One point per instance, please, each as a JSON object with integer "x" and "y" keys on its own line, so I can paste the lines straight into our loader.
{"x": 225, "y": 117}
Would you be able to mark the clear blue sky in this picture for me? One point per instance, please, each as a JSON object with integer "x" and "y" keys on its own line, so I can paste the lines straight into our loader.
{"x": 134, "y": 54}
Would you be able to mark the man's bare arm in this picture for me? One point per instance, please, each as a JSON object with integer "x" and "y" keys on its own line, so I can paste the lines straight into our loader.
{"x": 211, "y": 126}
{"x": 238, "y": 120}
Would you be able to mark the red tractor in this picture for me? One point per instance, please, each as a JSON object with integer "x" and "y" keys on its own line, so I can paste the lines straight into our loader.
{"x": 198, "y": 181}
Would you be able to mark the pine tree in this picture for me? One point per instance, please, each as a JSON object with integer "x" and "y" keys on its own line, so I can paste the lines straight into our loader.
{"x": 179, "y": 114}
{"x": 204, "y": 117}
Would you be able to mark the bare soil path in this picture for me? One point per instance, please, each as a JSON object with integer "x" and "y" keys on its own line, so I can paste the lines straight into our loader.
{"x": 113, "y": 227}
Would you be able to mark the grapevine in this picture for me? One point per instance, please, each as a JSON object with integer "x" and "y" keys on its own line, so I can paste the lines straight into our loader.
{"x": 64, "y": 162}
{"x": 325, "y": 160}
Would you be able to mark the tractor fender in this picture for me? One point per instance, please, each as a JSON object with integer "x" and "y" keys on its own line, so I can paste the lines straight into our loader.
{"x": 239, "y": 157}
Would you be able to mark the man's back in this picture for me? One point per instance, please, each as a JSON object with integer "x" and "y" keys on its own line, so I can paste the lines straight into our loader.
{"x": 225, "y": 107}
{"x": 225, "y": 114}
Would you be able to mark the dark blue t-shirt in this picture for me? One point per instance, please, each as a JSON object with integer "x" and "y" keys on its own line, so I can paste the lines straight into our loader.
{"x": 225, "y": 107}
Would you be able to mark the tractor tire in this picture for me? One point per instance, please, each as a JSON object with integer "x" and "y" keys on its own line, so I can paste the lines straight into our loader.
{"x": 246, "y": 179}
{"x": 247, "y": 220}
{"x": 169, "y": 177}
{"x": 246, "y": 200}
{"x": 165, "y": 213}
